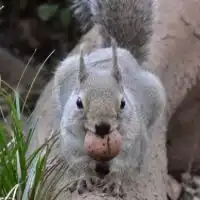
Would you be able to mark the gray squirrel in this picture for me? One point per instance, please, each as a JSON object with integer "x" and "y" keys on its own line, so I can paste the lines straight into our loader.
{"x": 110, "y": 90}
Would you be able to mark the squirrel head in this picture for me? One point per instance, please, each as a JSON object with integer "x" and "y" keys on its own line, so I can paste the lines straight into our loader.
{"x": 100, "y": 96}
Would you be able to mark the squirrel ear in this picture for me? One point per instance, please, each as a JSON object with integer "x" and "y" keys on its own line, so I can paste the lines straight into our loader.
{"x": 115, "y": 68}
{"x": 82, "y": 67}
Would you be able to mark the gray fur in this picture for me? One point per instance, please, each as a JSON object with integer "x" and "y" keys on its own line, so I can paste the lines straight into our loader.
{"x": 101, "y": 95}
{"x": 128, "y": 21}
{"x": 82, "y": 11}
{"x": 115, "y": 71}
{"x": 82, "y": 68}
{"x": 110, "y": 75}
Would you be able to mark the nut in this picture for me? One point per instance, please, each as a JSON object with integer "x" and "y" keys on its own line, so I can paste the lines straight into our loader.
{"x": 103, "y": 148}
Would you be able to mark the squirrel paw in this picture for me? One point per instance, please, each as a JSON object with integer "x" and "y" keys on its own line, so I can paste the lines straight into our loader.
{"x": 114, "y": 188}
{"x": 84, "y": 184}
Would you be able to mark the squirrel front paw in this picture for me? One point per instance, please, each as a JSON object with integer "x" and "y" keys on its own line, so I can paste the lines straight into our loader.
{"x": 113, "y": 187}
{"x": 84, "y": 184}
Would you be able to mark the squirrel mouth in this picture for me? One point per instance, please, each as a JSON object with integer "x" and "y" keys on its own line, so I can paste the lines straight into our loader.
{"x": 102, "y": 169}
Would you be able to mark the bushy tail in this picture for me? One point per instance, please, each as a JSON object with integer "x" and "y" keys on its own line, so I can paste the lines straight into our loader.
{"x": 128, "y": 21}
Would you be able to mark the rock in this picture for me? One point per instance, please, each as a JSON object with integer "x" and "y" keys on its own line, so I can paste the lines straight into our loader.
{"x": 173, "y": 188}
{"x": 196, "y": 180}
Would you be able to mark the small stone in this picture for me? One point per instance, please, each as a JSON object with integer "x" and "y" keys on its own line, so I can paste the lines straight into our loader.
{"x": 173, "y": 188}
{"x": 196, "y": 180}
{"x": 186, "y": 178}
{"x": 196, "y": 198}
{"x": 190, "y": 190}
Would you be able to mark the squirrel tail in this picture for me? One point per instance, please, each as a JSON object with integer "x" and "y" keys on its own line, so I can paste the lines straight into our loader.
{"x": 129, "y": 22}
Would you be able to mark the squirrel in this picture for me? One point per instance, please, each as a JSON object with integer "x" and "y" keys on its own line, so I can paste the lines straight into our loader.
{"x": 109, "y": 89}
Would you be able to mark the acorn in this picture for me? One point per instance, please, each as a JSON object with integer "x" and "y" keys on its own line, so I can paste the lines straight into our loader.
{"x": 103, "y": 148}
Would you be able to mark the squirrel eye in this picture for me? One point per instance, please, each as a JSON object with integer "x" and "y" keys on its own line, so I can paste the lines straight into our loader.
{"x": 79, "y": 103}
{"x": 123, "y": 103}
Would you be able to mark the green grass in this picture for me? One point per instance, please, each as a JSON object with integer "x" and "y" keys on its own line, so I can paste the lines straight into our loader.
{"x": 21, "y": 176}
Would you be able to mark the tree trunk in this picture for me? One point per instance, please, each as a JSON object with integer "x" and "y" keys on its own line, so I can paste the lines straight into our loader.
{"x": 174, "y": 57}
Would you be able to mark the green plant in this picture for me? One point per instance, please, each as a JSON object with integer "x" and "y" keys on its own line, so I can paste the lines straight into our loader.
{"x": 58, "y": 12}
{"x": 47, "y": 12}
{"x": 21, "y": 175}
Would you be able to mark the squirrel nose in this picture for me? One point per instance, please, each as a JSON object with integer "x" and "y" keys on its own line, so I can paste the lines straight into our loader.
{"x": 102, "y": 129}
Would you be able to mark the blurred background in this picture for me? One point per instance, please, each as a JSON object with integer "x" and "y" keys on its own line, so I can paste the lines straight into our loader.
{"x": 30, "y": 31}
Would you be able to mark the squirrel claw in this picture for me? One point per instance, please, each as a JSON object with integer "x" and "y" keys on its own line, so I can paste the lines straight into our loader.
{"x": 84, "y": 184}
{"x": 114, "y": 188}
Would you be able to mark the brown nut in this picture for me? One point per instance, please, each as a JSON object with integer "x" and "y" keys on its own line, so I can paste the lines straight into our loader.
{"x": 103, "y": 149}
